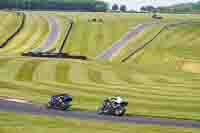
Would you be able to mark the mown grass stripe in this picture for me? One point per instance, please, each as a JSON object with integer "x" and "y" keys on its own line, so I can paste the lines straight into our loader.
{"x": 23, "y": 37}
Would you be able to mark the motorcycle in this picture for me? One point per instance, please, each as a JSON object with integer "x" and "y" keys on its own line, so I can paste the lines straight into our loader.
{"x": 61, "y": 102}
{"x": 110, "y": 107}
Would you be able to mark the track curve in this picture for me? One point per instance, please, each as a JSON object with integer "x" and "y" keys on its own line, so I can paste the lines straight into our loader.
{"x": 29, "y": 108}
{"x": 140, "y": 47}
{"x": 52, "y": 36}
{"x": 108, "y": 53}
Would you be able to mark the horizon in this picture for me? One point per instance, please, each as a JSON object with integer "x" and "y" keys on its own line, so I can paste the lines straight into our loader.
{"x": 137, "y": 4}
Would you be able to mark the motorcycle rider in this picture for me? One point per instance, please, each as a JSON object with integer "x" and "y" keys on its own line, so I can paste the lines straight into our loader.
{"x": 114, "y": 101}
{"x": 60, "y": 99}
{"x": 117, "y": 99}
{"x": 114, "y": 106}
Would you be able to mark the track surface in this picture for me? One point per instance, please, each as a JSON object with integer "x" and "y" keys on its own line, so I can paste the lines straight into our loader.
{"x": 52, "y": 37}
{"x": 108, "y": 53}
{"x": 28, "y": 108}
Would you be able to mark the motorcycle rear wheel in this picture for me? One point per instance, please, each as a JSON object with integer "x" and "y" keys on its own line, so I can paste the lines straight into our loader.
{"x": 100, "y": 111}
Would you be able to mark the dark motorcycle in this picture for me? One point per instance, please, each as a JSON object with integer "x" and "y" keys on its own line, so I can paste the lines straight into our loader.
{"x": 110, "y": 107}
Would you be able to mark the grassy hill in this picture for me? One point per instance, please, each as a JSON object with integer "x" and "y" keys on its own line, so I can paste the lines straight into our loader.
{"x": 161, "y": 81}
{"x": 33, "y": 33}
{"x": 85, "y": 34}
{"x": 153, "y": 92}
{"x": 149, "y": 33}
{"x": 9, "y": 25}
{"x": 175, "y": 51}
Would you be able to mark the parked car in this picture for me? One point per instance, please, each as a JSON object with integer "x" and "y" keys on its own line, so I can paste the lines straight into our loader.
{"x": 155, "y": 16}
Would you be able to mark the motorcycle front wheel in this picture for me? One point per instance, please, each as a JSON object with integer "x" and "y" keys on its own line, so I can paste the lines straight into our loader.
{"x": 64, "y": 106}
{"x": 120, "y": 111}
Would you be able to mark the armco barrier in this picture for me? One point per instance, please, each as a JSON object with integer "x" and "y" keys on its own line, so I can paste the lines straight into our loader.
{"x": 16, "y": 32}
{"x": 148, "y": 42}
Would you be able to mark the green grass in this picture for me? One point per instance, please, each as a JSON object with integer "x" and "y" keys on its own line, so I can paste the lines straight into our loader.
{"x": 32, "y": 34}
{"x": 181, "y": 46}
{"x": 88, "y": 38}
{"x": 148, "y": 93}
{"x": 136, "y": 42}
{"x": 14, "y": 123}
{"x": 9, "y": 24}
{"x": 157, "y": 82}
{"x": 150, "y": 32}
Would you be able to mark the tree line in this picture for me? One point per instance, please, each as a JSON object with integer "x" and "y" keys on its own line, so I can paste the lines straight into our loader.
{"x": 116, "y": 7}
{"x": 54, "y": 5}
{"x": 179, "y": 8}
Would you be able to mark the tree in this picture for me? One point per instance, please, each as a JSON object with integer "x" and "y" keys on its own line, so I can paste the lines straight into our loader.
{"x": 123, "y": 8}
{"x": 143, "y": 8}
{"x": 115, "y": 7}
{"x": 148, "y": 8}
{"x": 101, "y": 6}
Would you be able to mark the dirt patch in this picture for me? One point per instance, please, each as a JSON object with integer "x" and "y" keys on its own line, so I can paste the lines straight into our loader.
{"x": 191, "y": 67}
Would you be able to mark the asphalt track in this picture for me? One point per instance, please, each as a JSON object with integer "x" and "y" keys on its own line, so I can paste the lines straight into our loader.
{"x": 52, "y": 36}
{"x": 28, "y": 108}
{"x": 108, "y": 53}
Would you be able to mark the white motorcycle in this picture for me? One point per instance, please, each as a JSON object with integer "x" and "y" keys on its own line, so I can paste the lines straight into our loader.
{"x": 113, "y": 106}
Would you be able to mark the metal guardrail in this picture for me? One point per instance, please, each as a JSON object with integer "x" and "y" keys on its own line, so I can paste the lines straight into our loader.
{"x": 148, "y": 42}
{"x": 16, "y": 32}
{"x": 67, "y": 33}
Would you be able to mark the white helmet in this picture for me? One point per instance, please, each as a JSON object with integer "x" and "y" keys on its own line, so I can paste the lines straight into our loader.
{"x": 117, "y": 100}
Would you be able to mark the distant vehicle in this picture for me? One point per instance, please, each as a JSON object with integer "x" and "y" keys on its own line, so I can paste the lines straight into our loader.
{"x": 61, "y": 102}
{"x": 96, "y": 20}
{"x": 113, "y": 106}
{"x": 155, "y": 16}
